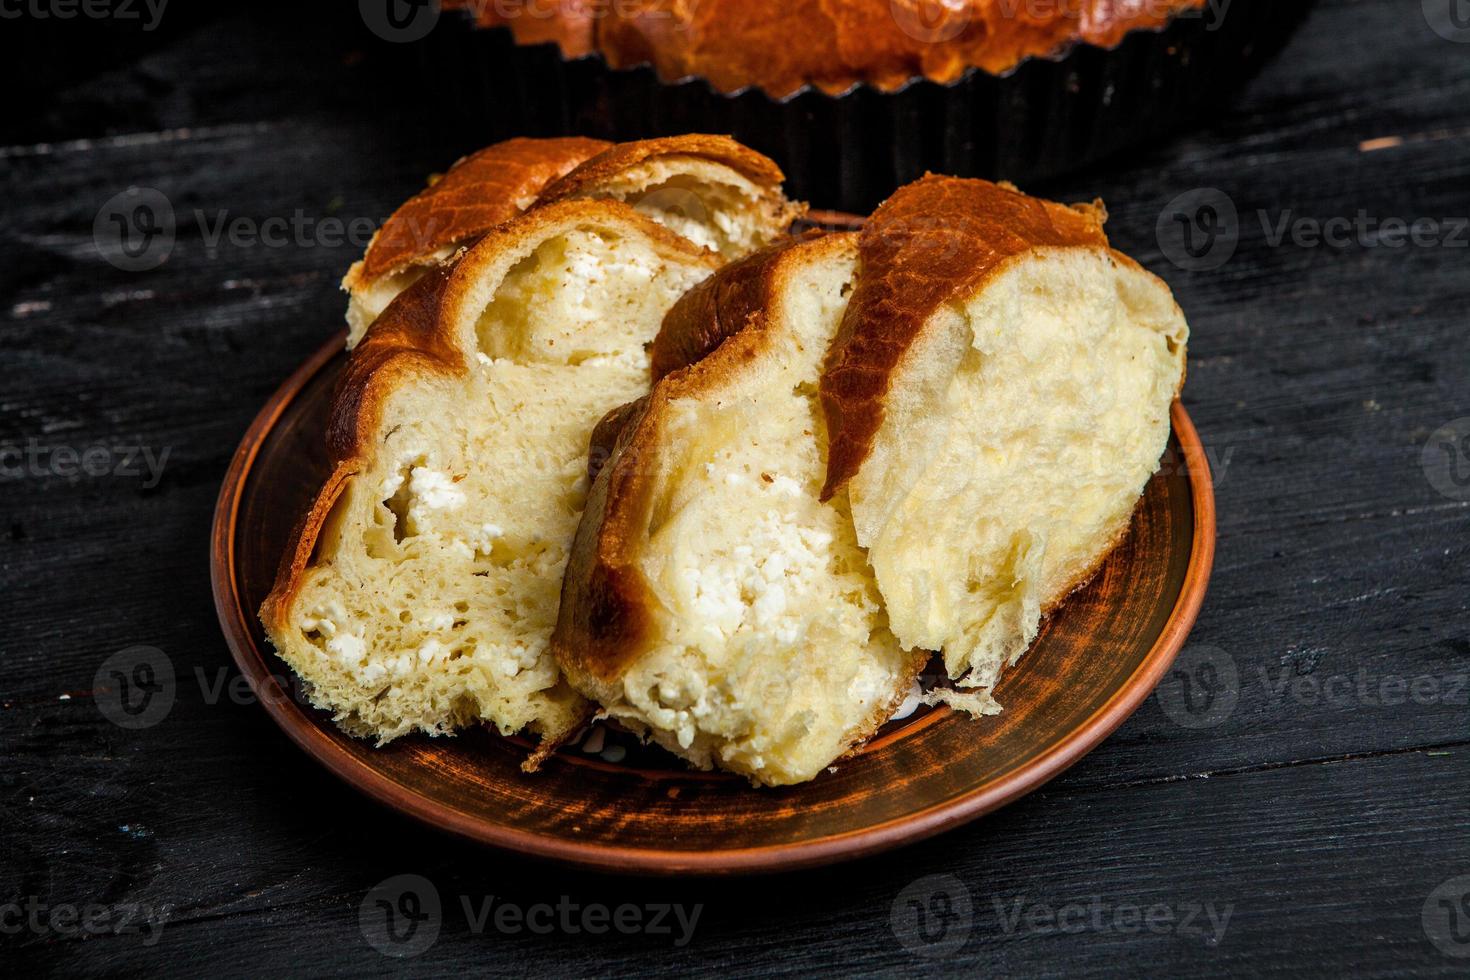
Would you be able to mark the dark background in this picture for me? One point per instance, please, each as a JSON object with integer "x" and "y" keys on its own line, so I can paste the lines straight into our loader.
{"x": 1330, "y": 826}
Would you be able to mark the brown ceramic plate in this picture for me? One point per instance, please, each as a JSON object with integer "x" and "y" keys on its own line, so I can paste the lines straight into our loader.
{"x": 1095, "y": 661}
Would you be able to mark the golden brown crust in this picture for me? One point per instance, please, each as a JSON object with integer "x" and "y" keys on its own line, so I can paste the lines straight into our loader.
{"x": 408, "y": 341}
{"x": 781, "y": 45}
{"x": 566, "y": 23}
{"x": 274, "y": 610}
{"x": 493, "y": 185}
{"x": 932, "y": 242}
{"x": 605, "y": 618}
{"x": 489, "y": 188}
{"x": 1105, "y": 22}
{"x": 415, "y": 338}
{"x": 485, "y": 189}
{"x": 718, "y": 308}
{"x": 759, "y": 168}
{"x": 604, "y": 623}
{"x": 605, "y": 436}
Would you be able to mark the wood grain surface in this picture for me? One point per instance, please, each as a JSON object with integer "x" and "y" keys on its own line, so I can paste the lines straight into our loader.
{"x": 1328, "y": 808}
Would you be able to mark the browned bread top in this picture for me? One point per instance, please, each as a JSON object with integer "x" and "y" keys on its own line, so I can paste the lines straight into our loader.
{"x": 721, "y": 306}
{"x": 781, "y": 45}
{"x": 411, "y": 342}
{"x": 416, "y": 336}
{"x": 933, "y": 241}
{"x": 412, "y": 338}
{"x": 483, "y": 190}
{"x": 760, "y": 169}
{"x": 605, "y": 601}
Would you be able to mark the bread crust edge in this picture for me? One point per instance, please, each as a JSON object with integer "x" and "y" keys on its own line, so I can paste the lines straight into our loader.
{"x": 416, "y": 339}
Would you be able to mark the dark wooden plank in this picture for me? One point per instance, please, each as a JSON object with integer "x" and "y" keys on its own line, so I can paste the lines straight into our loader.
{"x": 1337, "y": 886}
{"x": 196, "y": 65}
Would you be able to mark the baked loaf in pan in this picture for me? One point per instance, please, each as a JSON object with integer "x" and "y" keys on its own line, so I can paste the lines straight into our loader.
{"x": 782, "y": 45}
{"x": 422, "y": 587}
{"x": 727, "y": 197}
{"x": 862, "y": 448}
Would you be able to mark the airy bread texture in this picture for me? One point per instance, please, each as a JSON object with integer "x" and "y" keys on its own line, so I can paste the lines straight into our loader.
{"x": 423, "y": 587}
{"x": 782, "y": 45}
{"x": 860, "y": 450}
{"x": 999, "y": 397}
{"x": 714, "y": 191}
{"x": 714, "y": 602}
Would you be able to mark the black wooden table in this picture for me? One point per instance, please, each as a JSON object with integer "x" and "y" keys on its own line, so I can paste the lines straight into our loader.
{"x": 1311, "y": 818}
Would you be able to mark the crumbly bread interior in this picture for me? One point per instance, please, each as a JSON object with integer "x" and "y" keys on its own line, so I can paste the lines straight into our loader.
{"x": 772, "y": 653}
{"x": 434, "y": 589}
{"x": 1020, "y": 432}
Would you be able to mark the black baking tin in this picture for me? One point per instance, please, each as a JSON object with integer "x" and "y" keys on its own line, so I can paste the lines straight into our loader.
{"x": 1045, "y": 118}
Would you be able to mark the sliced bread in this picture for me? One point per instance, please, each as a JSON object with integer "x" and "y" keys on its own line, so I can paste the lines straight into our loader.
{"x": 711, "y": 189}
{"x": 422, "y": 586}
{"x": 483, "y": 190}
{"x": 713, "y": 601}
{"x": 862, "y": 448}
{"x": 998, "y": 397}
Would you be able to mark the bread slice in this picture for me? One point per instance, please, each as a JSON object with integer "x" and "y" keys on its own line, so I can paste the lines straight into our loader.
{"x": 713, "y": 601}
{"x": 483, "y": 190}
{"x": 422, "y": 587}
{"x": 919, "y": 438}
{"x": 997, "y": 399}
{"x": 709, "y": 189}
